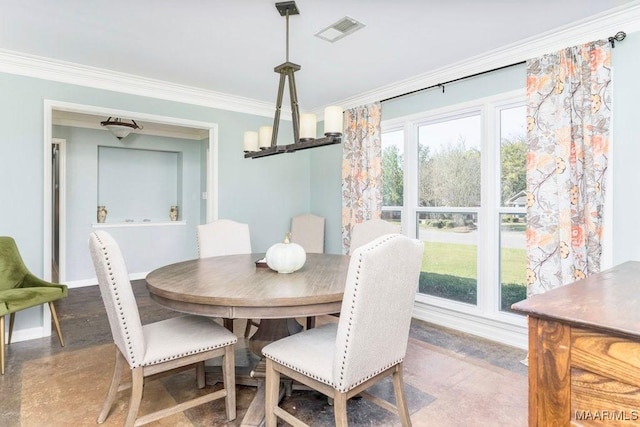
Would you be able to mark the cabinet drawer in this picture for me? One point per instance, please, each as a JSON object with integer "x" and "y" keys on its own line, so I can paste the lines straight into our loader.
{"x": 609, "y": 356}
{"x": 605, "y": 379}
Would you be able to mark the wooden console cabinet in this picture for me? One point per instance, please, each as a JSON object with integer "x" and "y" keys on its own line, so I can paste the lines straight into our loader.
{"x": 584, "y": 351}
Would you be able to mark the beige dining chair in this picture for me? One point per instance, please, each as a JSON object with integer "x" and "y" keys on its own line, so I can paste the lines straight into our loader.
{"x": 344, "y": 359}
{"x": 156, "y": 347}
{"x": 307, "y": 230}
{"x": 225, "y": 237}
{"x": 366, "y": 231}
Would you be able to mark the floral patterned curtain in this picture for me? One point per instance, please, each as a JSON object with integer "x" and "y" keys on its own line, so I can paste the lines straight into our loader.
{"x": 361, "y": 168}
{"x": 568, "y": 118}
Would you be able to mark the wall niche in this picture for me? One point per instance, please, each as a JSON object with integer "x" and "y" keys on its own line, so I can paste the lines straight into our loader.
{"x": 138, "y": 186}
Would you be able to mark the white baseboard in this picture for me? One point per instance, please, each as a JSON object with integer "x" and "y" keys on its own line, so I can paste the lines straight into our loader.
{"x": 81, "y": 283}
{"x": 502, "y": 332}
{"x": 28, "y": 334}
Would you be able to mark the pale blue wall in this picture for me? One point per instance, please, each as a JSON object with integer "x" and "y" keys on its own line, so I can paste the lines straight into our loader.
{"x": 264, "y": 193}
{"x": 326, "y": 192}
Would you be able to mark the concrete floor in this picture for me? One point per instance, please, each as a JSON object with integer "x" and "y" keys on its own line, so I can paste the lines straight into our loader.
{"x": 451, "y": 379}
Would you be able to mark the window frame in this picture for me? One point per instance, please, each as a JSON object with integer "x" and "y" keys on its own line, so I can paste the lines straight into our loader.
{"x": 489, "y": 211}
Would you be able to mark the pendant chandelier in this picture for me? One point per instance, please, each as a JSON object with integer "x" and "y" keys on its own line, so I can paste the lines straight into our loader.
{"x": 119, "y": 128}
{"x": 264, "y": 142}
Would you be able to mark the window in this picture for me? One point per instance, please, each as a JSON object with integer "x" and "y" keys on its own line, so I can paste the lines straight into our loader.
{"x": 460, "y": 189}
{"x": 392, "y": 175}
{"x": 449, "y": 197}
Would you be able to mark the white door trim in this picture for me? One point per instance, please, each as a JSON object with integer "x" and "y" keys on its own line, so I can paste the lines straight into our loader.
{"x": 51, "y": 105}
{"x": 62, "y": 213}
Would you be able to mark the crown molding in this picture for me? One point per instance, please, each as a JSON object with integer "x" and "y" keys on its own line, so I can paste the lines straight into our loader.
{"x": 624, "y": 18}
{"x": 66, "y": 72}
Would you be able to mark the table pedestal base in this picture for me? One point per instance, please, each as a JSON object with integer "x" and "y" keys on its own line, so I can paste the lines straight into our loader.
{"x": 271, "y": 330}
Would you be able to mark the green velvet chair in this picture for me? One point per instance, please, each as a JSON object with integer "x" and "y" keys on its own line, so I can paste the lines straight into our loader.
{"x": 19, "y": 289}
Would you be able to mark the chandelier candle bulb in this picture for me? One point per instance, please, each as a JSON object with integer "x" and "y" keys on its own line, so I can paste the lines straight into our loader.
{"x": 307, "y": 126}
{"x": 333, "y": 120}
{"x": 250, "y": 141}
{"x": 265, "y": 136}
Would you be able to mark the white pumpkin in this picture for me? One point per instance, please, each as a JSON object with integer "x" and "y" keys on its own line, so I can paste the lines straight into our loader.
{"x": 286, "y": 257}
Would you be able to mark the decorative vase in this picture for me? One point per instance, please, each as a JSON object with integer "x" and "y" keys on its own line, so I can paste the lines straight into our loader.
{"x": 286, "y": 257}
{"x": 173, "y": 213}
{"x": 102, "y": 214}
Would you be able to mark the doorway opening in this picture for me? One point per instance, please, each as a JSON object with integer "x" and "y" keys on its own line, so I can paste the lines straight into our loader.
{"x": 85, "y": 116}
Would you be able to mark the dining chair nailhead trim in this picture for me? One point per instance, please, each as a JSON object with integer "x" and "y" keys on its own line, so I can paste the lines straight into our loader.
{"x": 125, "y": 327}
{"x": 303, "y": 372}
{"x": 196, "y": 351}
{"x": 343, "y": 388}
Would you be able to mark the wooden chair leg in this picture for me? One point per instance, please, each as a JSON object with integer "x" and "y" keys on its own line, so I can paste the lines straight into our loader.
{"x": 2, "y": 346}
{"x": 137, "y": 385}
{"x": 54, "y": 316}
{"x": 272, "y": 391}
{"x": 340, "y": 409}
{"x": 200, "y": 374}
{"x": 12, "y": 318}
{"x": 113, "y": 388}
{"x": 229, "y": 375}
{"x": 401, "y": 402}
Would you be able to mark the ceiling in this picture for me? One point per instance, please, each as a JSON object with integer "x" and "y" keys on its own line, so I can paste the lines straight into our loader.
{"x": 232, "y": 46}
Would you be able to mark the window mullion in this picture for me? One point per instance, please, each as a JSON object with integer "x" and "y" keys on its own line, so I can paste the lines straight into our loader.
{"x": 410, "y": 179}
{"x": 489, "y": 241}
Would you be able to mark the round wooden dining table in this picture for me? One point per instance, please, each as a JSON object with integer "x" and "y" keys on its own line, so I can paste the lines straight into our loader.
{"x": 234, "y": 287}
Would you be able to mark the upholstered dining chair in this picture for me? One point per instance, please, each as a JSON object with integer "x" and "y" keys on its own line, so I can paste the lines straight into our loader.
{"x": 225, "y": 237}
{"x": 307, "y": 230}
{"x": 344, "y": 359}
{"x": 366, "y": 231}
{"x": 156, "y": 347}
{"x": 19, "y": 290}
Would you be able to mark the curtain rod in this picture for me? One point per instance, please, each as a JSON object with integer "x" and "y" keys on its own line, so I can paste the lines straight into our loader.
{"x": 620, "y": 35}
{"x": 452, "y": 81}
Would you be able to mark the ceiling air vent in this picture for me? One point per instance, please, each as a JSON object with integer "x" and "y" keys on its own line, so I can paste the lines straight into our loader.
{"x": 340, "y": 29}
